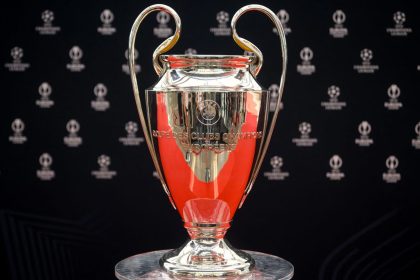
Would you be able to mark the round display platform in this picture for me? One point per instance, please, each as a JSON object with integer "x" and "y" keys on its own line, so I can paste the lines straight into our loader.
{"x": 146, "y": 266}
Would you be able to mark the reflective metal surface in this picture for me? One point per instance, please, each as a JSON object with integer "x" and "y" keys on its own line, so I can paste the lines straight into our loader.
{"x": 146, "y": 266}
{"x": 207, "y": 129}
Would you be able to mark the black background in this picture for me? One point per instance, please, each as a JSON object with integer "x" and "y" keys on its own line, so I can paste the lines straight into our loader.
{"x": 79, "y": 227}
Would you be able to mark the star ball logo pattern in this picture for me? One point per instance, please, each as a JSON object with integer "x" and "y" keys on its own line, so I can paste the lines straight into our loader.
{"x": 366, "y": 60}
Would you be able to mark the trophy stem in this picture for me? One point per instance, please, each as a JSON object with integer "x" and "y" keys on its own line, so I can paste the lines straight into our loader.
{"x": 206, "y": 231}
{"x": 207, "y": 254}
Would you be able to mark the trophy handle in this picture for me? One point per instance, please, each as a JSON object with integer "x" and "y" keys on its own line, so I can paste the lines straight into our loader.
{"x": 248, "y": 46}
{"x": 162, "y": 48}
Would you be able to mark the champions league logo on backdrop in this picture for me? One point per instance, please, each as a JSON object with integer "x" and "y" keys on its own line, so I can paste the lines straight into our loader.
{"x": 17, "y": 65}
{"x": 162, "y": 31}
{"x": 104, "y": 162}
{"x": 125, "y": 67}
{"x": 73, "y": 140}
{"x": 75, "y": 54}
{"x": 393, "y": 104}
{"x": 47, "y": 28}
{"x": 391, "y": 176}
{"x": 366, "y": 68}
{"x": 305, "y": 140}
{"x": 131, "y": 139}
{"x": 45, "y": 91}
{"x": 276, "y": 174}
{"x": 284, "y": 19}
{"x": 364, "y": 129}
{"x": 333, "y": 104}
{"x": 17, "y": 127}
{"x": 273, "y": 90}
{"x": 107, "y": 17}
{"x": 416, "y": 142}
{"x": 399, "y": 29}
{"x": 222, "y": 18}
{"x": 100, "y": 104}
{"x": 338, "y": 31}
{"x": 335, "y": 163}
{"x": 306, "y": 68}
{"x": 45, "y": 173}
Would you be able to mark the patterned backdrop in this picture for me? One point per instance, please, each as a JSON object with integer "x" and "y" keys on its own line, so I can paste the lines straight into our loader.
{"x": 337, "y": 194}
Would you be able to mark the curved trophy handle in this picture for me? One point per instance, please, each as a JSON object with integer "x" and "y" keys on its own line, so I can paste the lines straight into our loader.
{"x": 248, "y": 46}
{"x": 162, "y": 48}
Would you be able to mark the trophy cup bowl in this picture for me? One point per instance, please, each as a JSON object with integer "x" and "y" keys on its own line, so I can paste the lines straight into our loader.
{"x": 207, "y": 126}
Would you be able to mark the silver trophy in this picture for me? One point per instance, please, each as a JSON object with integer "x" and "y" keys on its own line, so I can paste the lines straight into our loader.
{"x": 207, "y": 126}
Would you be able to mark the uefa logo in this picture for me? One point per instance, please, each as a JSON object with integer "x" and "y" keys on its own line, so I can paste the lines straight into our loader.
{"x": 47, "y": 16}
{"x": 45, "y": 173}
{"x": 73, "y": 140}
{"x": 399, "y": 29}
{"x": 104, "y": 172}
{"x": 306, "y": 68}
{"x": 208, "y": 112}
{"x": 222, "y": 17}
{"x": 276, "y": 162}
{"x": 305, "y": 139}
{"x": 104, "y": 161}
{"x": 222, "y": 29}
{"x": 273, "y": 91}
{"x": 333, "y": 103}
{"x": 364, "y": 129}
{"x": 162, "y": 31}
{"x": 100, "y": 91}
{"x": 17, "y": 127}
{"x": 100, "y": 103}
{"x": 335, "y": 163}
{"x": 131, "y": 139}
{"x": 131, "y": 128}
{"x": 366, "y": 55}
{"x": 162, "y": 17}
{"x": 44, "y": 91}
{"x": 338, "y": 31}
{"x": 366, "y": 67}
{"x": 339, "y": 17}
{"x": 107, "y": 17}
{"x": 47, "y": 28}
{"x": 16, "y": 53}
{"x": 75, "y": 54}
{"x": 391, "y": 176}
{"x": 16, "y": 65}
{"x": 333, "y": 92}
{"x": 416, "y": 141}
{"x": 393, "y": 93}
{"x": 126, "y": 68}
{"x": 305, "y": 128}
{"x": 276, "y": 174}
{"x": 284, "y": 18}
{"x": 306, "y": 55}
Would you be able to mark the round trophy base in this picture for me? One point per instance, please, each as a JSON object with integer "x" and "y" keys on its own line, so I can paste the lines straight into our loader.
{"x": 146, "y": 266}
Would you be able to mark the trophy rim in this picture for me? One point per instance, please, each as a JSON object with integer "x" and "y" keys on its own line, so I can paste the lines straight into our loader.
{"x": 207, "y": 56}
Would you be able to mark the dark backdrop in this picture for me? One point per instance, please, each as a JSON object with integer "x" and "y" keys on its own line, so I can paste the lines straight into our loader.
{"x": 76, "y": 226}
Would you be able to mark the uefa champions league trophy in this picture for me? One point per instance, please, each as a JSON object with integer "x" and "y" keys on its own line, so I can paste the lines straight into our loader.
{"x": 207, "y": 125}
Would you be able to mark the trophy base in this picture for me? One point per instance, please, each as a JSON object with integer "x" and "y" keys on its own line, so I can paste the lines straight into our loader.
{"x": 207, "y": 257}
{"x": 146, "y": 266}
